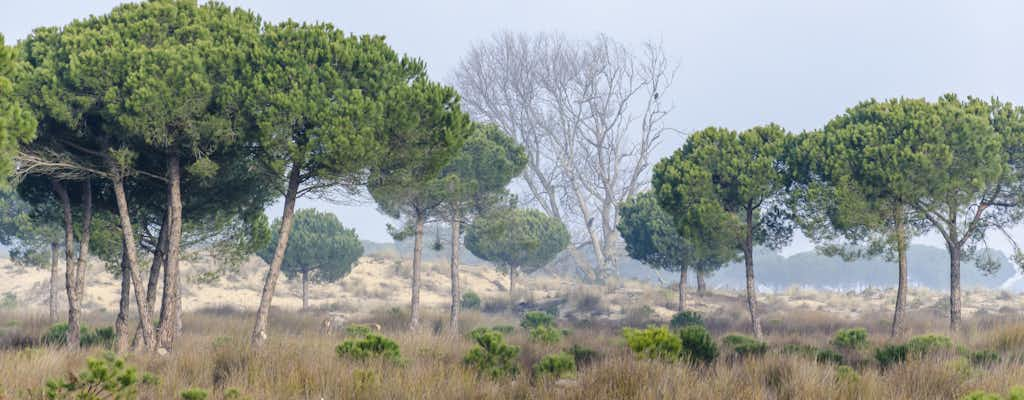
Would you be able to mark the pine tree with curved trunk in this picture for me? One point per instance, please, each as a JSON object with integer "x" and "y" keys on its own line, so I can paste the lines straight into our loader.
{"x": 727, "y": 186}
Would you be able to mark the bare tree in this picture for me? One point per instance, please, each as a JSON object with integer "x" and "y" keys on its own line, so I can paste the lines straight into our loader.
{"x": 589, "y": 113}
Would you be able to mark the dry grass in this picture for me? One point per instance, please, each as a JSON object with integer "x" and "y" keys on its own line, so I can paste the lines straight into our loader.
{"x": 299, "y": 363}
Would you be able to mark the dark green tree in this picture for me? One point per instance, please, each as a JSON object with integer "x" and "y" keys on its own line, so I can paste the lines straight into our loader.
{"x": 728, "y": 186}
{"x": 17, "y": 125}
{"x": 652, "y": 238}
{"x": 475, "y": 180}
{"x": 517, "y": 240}
{"x": 320, "y": 245}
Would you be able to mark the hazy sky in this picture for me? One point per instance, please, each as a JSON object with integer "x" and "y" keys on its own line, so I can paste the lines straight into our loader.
{"x": 743, "y": 63}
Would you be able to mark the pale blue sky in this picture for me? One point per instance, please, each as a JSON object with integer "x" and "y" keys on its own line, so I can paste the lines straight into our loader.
{"x": 743, "y": 63}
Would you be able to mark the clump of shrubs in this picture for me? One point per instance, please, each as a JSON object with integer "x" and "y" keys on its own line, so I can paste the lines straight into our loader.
{"x": 492, "y": 357}
{"x": 559, "y": 365}
{"x": 582, "y": 355}
{"x": 692, "y": 342}
{"x": 698, "y": 345}
{"x": 745, "y": 346}
{"x": 825, "y": 356}
{"x": 545, "y": 334}
{"x": 541, "y": 327}
{"x": 57, "y": 335}
{"x": 358, "y": 330}
{"x": 106, "y": 377}
{"x": 1016, "y": 393}
{"x": 917, "y": 346}
{"x": 685, "y": 318}
{"x": 852, "y": 339}
{"x": 371, "y": 346}
{"x": 533, "y": 319}
{"x": 470, "y": 300}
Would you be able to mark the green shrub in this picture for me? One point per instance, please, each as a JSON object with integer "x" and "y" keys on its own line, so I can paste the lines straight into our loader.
{"x": 370, "y": 346}
{"x": 853, "y": 338}
{"x": 826, "y": 356}
{"x": 194, "y": 394}
{"x": 534, "y": 319}
{"x": 470, "y": 300}
{"x": 921, "y": 345}
{"x": 107, "y": 377}
{"x": 800, "y": 349}
{"x": 685, "y": 318}
{"x": 847, "y": 375}
{"x": 358, "y": 330}
{"x": 654, "y": 343}
{"x": 545, "y": 334}
{"x": 1016, "y": 393}
{"x": 504, "y": 329}
{"x": 492, "y": 357}
{"x": 558, "y": 365}
{"x": 890, "y": 354}
{"x": 582, "y": 355}
{"x": 57, "y": 335}
{"x": 697, "y": 344}
{"x": 744, "y": 345}
{"x": 983, "y": 357}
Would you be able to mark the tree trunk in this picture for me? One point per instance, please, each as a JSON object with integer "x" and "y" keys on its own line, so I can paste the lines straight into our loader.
{"x": 83, "y": 245}
{"x": 748, "y": 260}
{"x": 159, "y": 251}
{"x": 121, "y": 323}
{"x": 259, "y": 330}
{"x": 702, "y": 286}
{"x": 682, "y": 289}
{"x": 954, "y": 287}
{"x": 69, "y": 266}
{"x": 417, "y": 255}
{"x": 511, "y": 287}
{"x": 305, "y": 288}
{"x": 169, "y": 302}
{"x": 901, "y": 286}
{"x": 54, "y": 277}
{"x": 453, "y": 322}
{"x": 129, "y": 270}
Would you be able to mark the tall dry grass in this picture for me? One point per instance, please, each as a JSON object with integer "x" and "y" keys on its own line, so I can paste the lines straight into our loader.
{"x": 300, "y": 363}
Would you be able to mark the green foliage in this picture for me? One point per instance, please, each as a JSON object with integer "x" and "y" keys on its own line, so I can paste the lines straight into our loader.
{"x": 826, "y": 356}
{"x": 318, "y": 243}
{"x": 697, "y": 344}
{"x": 103, "y": 378}
{"x": 503, "y": 329}
{"x": 533, "y": 319}
{"x": 358, "y": 330}
{"x": 890, "y": 354}
{"x": 17, "y": 124}
{"x": 492, "y": 357}
{"x": 654, "y": 343}
{"x": 924, "y": 344}
{"x": 470, "y": 300}
{"x": 1016, "y": 393}
{"x": 57, "y": 335}
{"x": 558, "y": 365}
{"x": 371, "y": 346}
{"x": 853, "y": 338}
{"x": 476, "y": 177}
{"x": 685, "y": 318}
{"x": 847, "y": 375}
{"x": 194, "y": 394}
{"x": 582, "y": 355}
{"x": 545, "y": 334}
{"x": 744, "y": 345}
{"x": 524, "y": 239}
{"x": 983, "y": 357}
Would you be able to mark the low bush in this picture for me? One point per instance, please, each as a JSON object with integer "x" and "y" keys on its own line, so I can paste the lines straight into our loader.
{"x": 697, "y": 344}
{"x": 107, "y": 377}
{"x": 492, "y": 357}
{"x": 358, "y": 330}
{"x": 745, "y": 346}
{"x": 370, "y": 346}
{"x": 684, "y": 319}
{"x": 57, "y": 335}
{"x": 545, "y": 334}
{"x": 654, "y": 343}
{"x": 1016, "y": 393}
{"x": 582, "y": 355}
{"x": 194, "y": 394}
{"x": 558, "y": 365}
{"x": 826, "y": 356}
{"x": 470, "y": 300}
{"x": 853, "y": 338}
{"x": 921, "y": 345}
{"x": 983, "y": 357}
{"x": 890, "y": 354}
{"x": 847, "y": 375}
{"x": 533, "y": 319}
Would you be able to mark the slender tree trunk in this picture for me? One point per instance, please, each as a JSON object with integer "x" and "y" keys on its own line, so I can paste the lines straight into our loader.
{"x": 169, "y": 302}
{"x": 702, "y": 286}
{"x": 453, "y": 322}
{"x": 305, "y": 288}
{"x": 69, "y": 267}
{"x": 511, "y": 287}
{"x": 54, "y": 277}
{"x": 259, "y": 330}
{"x": 901, "y": 286}
{"x": 83, "y": 245}
{"x": 129, "y": 270}
{"x": 955, "y": 253}
{"x": 682, "y": 289}
{"x": 159, "y": 250}
{"x": 748, "y": 260}
{"x": 417, "y": 259}
{"x": 121, "y": 323}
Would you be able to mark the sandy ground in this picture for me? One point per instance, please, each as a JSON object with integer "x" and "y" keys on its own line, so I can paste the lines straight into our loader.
{"x": 378, "y": 282}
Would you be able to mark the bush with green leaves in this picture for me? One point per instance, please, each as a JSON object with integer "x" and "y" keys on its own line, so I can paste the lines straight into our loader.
{"x": 103, "y": 378}
{"x": 58, "y": 335}
{"x": 826, "y": 356}
{"x": 891, "y": 354}
{"x": 470, "y": 300}
{"x": 745, "y": 346}
{"x": 358, "y": 330}
{"x": 492, "y": 357}
{"x": 685, "y": 318}
{"x": 546, "y": 334}
{"x": 847, "y": 375}
{"x": 582, "y": 355}
{"x": 983, "y": 357}
{"x": 533, "y": 319}
{"x": 559, "y": 365}
{"x": 925, "y": 344}
{"x": 697, "y": 344}
{"x": 1016, "y": 393}
{"x": 852, "y": 339}
{"x": 194, "y": 394}
{"x": 371, "y": 346}
{"x": 654, "y": 343}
